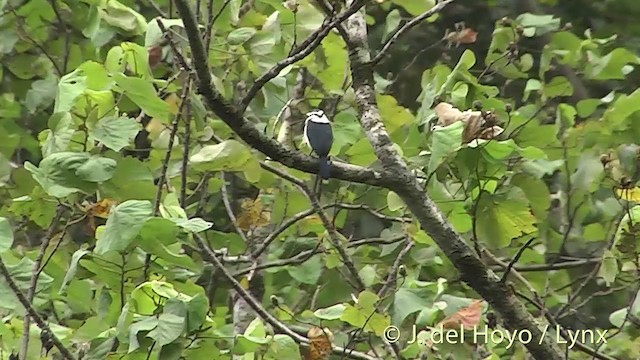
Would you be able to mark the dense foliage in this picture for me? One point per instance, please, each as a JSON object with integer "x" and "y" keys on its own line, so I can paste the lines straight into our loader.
{"x": 136, "y": 223}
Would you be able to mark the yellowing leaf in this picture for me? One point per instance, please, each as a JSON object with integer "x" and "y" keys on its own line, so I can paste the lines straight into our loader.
{"x": 629, "y": 194}
{"x": 101, "y": 208}
{"x": 174, "y": 103}
{"x": 245, "y": 283}
{"x": 253, "y": 215}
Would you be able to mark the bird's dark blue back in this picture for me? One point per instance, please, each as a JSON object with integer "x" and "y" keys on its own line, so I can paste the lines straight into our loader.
{"x": 322, "y": 137}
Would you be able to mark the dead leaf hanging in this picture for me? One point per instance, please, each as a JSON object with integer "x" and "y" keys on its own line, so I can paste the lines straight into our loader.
{"x": 468, "y": 317}
{"x": 475, "y": 125}
{"x": 320, "y": 344}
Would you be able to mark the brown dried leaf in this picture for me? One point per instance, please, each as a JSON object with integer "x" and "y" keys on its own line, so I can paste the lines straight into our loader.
{"x": 320, "y": 343}
{"x": 155, "y": 56}
{"x": 491, "y": 132}
{"x": 464, "y": 36}
{"x": 447, "y": 115}
{"x": 468, "y": 317}
{"x": 253, "y": 215}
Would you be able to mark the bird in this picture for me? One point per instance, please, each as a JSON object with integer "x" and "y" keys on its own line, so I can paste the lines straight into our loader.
{"x": 319, "y": 136}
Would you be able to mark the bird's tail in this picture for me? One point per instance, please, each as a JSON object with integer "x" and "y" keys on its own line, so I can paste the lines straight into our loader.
{"x": 325, "y": 167}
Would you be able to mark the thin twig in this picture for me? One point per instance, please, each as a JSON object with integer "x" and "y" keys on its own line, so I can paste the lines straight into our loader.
{"x": 255, "y": 305}
{"x": 302, "y": 51}
{"x": 334, "y": 237}
{"x": 516, "y": 258}
{"x": 33, "y": 313}
{"x": 249, "y": 133}
{"x": 393, "y": 273}
{"x": 165, "y": 166}
{"x": 173, "y": 46}
{"x": 408, "y": 26}
{"x": 35, "y": 274}
{"x": 185, "y": 151}
{"x": 282, "y": 228}
{"x": 229, "y": 209}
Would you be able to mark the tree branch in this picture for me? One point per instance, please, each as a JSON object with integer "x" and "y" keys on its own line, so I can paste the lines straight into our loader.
{"x": 334, "y": 237}
{"x": 472, "y": 270}
{"x": 408, "y": 26}
{"x": 252, "y": 136}
{"x": 33, "y": 283}
{"x": 33, "y": 313}
{"x": 211, "y": 258}
{"x": 299, "y": 53}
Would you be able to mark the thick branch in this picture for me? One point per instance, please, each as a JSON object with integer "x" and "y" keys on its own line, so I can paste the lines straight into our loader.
{"x": 472, "y": 270}
{"x": 247, "y": 132}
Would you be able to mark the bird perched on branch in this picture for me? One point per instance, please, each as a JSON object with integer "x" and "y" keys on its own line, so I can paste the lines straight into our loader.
{"x": 319, "y": 136}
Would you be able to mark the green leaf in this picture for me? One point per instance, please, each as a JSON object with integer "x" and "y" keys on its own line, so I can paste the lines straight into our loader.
{"x": 168, "y": 328}
{"x": 613, "y": 66}
{"x": 197, "y": 309}
{"x": 41, "y": 94}
{"x": 502, "y": 218}
{"x": 624, "y": 106}
{"x": 394, "y": 202}
{"x": 393, "y": 21}
{"x": 148, "y": 323}
{"x": 58, "y": 174}
{"x": 413, "y": 7}
{"x": 115, "y": 133}
{"x": 282, "y": 347}
{"x": 59, "y": 134}
{"x": 73, "y": 268}
{"x": 97, "y": 169}
{"x": 532, "y": 85}
{"x": 589, "y": 169}
{"x": 21, "y": 274}
{"x": 558, "y": 86}
{"x": 143, "y": 94}
{"x": 331, "y": 313}
{"x": 6, "y": 235}
{"x": 241, "y": 35}
{"x": 229, "y": 155}
{"x": 408, "y": 301}
{"x": 173, "y": 351}
{"x": 446, "y": 140}
{"x": 393, "y": 114}
{"x": 194, "y": 225}
{"x": 254, "y": 336}
{"x": 536, "y": 25}
{"x": 154, "y": 34}
{"x": 364, "y": 314}
{"x": 123, "y": 225}
{"x": 542, "y": 167}
{"x": 609, "y": 268}
{"x": 308, "y": 272}
{"x": 123, "y": 17}
{"x": 70, "y": 87}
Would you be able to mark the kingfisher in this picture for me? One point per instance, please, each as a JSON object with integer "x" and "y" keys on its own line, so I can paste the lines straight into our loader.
{"x": 319, "y": 136}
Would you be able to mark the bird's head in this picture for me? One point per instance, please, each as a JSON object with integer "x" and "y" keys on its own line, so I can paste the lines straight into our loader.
{"x": 317, "y": 116}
